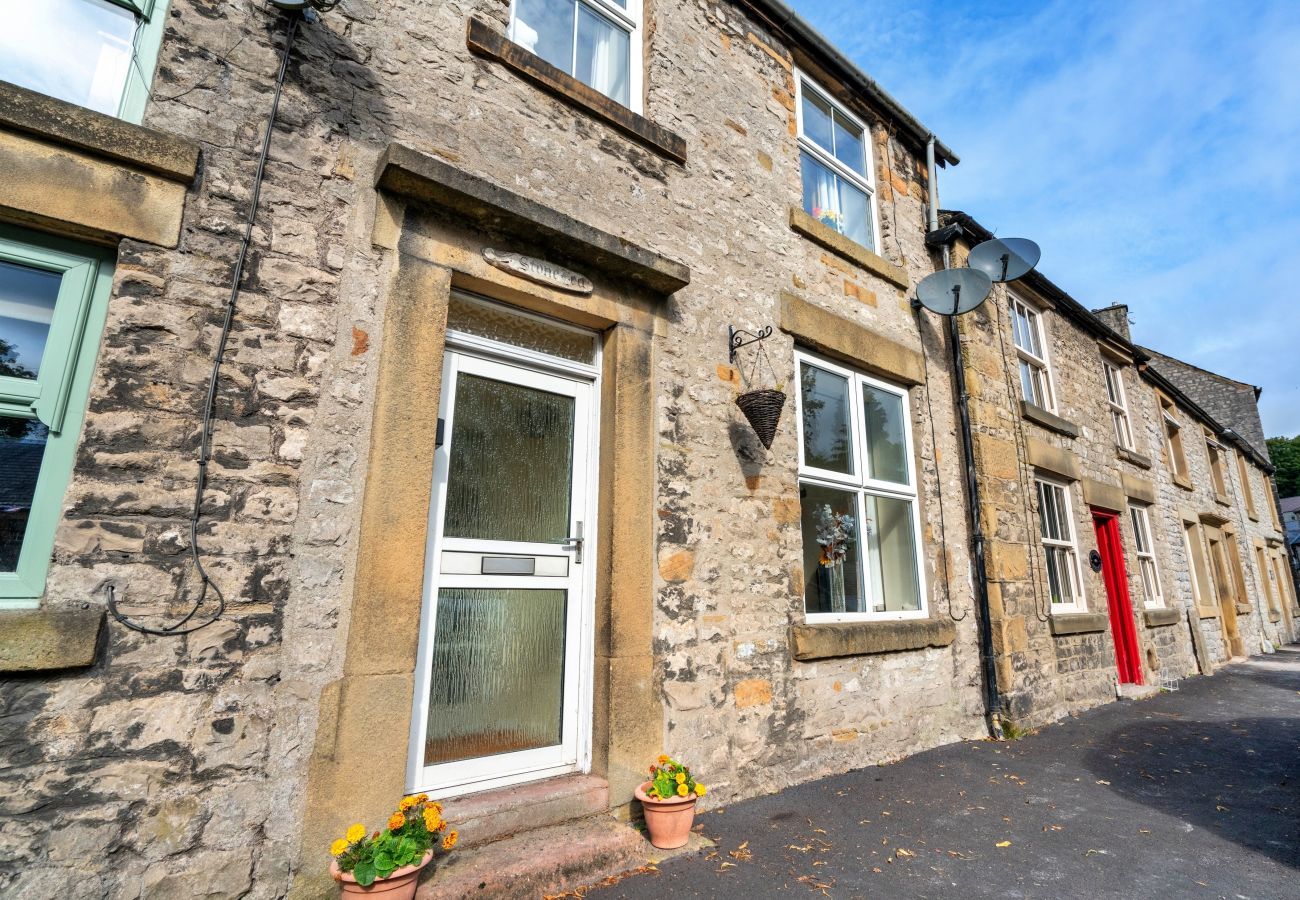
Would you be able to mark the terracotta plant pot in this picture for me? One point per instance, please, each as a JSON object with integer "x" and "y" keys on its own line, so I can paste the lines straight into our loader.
{"x": 668, "y": 821}
{"x": 398, "y": 886}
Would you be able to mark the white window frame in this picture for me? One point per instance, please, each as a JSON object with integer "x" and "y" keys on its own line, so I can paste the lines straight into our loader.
{"x": 1033, "y": 316}
{"x": 1118, "y": 402}
{"x": 630, "y": 20}
{"x": 863, "y": 180}
{"x": 862, "y": 485}
{"x": 1080, "y": 603}
{"x": 1146, "y": 555}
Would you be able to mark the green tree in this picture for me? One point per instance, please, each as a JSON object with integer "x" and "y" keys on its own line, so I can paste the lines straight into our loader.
{"x": 9, "y": 365}
{"x": 1285, "y": 453}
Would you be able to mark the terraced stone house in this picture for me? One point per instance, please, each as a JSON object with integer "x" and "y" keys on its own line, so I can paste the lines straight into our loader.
{"x": 430, "y": 477}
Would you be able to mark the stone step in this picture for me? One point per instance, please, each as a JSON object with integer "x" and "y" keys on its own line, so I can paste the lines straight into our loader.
{"x": 548, "y": 860}
{"x": 490, "y": 815}
{"x": 1137, "y": 691}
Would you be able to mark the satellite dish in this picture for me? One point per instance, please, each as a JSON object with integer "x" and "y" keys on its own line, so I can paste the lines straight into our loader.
{"x": 1005, "y": 259}
{"x": 951, "y": 292}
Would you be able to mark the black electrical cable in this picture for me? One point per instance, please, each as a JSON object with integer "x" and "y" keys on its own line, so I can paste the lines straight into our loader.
{"x": 205, "y": 438}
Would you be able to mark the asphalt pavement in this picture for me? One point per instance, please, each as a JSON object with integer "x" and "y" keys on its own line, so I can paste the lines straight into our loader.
{"x": 1190, "y": 793}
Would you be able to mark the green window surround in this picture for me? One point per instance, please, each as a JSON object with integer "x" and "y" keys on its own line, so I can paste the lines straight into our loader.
{"x": 99, "y": 54}
{"x": 53, "y": 303}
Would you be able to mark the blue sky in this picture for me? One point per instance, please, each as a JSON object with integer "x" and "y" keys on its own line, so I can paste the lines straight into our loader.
{"x": 1151, "y": 148}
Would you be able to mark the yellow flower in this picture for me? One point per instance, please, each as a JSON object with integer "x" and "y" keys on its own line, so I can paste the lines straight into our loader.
{"x": 662, "y": 759}
{"x": 356, "y": 833}
{"x": 407, "y": 803}
{"x": 436, "y": 806}
{"x": 339, "y": 847}
{"x": 682, "y": 790}
{"x": 450, "y": 840}
{"x": 699, "y": 789}
{"x": 681, "y": 777}
{"x": 396, "y": 821}
{"x": 421, "y": 798}
{"x": 432, "y": 820}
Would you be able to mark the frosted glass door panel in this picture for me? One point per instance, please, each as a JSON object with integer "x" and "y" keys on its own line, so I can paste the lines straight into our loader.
{"x": 511, "y": 463}
{"x": 498, "y": 663}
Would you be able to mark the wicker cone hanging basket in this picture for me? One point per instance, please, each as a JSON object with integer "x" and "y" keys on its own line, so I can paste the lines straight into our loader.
{"x": 763, "y": 410}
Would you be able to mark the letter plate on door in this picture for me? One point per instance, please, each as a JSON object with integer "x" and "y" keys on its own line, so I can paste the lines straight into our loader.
{"x": 509, "y": 565}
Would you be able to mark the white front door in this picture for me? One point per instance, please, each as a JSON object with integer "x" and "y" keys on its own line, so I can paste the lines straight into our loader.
{"x": 503, "y": 683}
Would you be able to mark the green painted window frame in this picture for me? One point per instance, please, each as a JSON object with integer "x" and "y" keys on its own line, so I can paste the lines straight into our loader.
{"x": 58, "y": 398}
{"x": 148, "y": 42}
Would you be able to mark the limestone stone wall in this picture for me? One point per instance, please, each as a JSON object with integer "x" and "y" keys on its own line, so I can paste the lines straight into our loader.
{"x": 1053, "y": 662}
{"x": 176, "y": 766}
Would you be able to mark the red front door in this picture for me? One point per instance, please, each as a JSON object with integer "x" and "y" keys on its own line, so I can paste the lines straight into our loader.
{"x": 1121, "y": 606}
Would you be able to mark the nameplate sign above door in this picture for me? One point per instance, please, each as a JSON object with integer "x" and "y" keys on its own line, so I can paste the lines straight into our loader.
{"x": 539, "y": 270}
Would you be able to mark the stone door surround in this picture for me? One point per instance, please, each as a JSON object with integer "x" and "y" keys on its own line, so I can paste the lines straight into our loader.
{"x": 436, "y": 221}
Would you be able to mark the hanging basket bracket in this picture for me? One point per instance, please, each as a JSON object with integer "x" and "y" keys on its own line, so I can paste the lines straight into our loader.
{"x": 736, "y": 339}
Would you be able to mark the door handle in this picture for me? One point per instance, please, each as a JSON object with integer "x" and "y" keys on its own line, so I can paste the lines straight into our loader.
{"x": 575, "y": 544}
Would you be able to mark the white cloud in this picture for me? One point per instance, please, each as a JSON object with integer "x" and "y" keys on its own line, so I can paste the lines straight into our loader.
{"x": 1150, "y": 148}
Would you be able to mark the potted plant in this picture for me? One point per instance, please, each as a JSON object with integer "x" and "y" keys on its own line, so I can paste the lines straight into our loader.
{"x": 668, "y": 799}
{"x": 389, "y": 861}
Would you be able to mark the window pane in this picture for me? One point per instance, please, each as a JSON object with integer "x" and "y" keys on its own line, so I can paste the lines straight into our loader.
{"x": 892, "y": 555}
{"x": 821, "y": 198}
{"x": 1027, "y": 384}
{"x": 824, "y": 405}
{"x": 1139, "y": 535}
{"x": 831, "y": 559}
{"x": 75, "y": 50}
{"x": 497, "y": 679}
{"x": 22, "y": 446}
{"x": 855, "y": 214}
{"x": 511, "y": 463}
{"x": 886, "y": 437}
{"x": 501, "y": 324}
{"x": 603, "y": 50}
{"x": 1060, "y": 581}
{"x": 545, "y": 27}
{"x": 849, "y": 146}
{"x": 817, "y": 120}
{"x": 27, "y": 298}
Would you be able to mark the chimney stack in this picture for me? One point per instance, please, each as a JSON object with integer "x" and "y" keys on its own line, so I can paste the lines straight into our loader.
{"x": 1116, "y": 317}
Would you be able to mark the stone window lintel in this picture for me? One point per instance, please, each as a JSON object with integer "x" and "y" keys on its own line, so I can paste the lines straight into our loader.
{"x": 49, "y": 639}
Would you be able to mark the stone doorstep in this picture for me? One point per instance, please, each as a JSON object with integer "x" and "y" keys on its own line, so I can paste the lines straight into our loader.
{"x": 491, "y": 815}
{"x": 548, "y": 860}
{"x": 1137, "y": 691}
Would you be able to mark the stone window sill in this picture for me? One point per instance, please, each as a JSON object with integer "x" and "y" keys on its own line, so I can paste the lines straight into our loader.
{"x": 1078, "y": 623}
{"x": 1157, "y": 618}
{"x": 48, "y": 640}
{"x": 1207, "y": 612}
{"x": 481, "y": 39}
{"x": 812, "y": 642}
{"x": 1183, "y": 482}
{"x": 1050, "y": 421}
{"x": 1274, "y": 617}
{"x": 1130, "y": 456}
{"x": 1244, "y": 609}
{"x": 838, "y": 244}
{"x": 1222, "y": 500}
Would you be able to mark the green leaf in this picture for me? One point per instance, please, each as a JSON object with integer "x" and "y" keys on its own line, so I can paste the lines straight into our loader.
{"x": 364, "y": 873}
{"x": 384, "y": 864}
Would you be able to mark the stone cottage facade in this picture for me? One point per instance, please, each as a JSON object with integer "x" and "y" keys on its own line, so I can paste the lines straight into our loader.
{"x": 480, "y": 515}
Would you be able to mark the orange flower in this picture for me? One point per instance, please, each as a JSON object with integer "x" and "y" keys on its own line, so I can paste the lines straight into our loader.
{"x": 407, "y": 803}
{"x": 450, "y": 840}
{"x": 662, "y": 759}
{"x": 432, "y": 820}
{"x": 396, "y": 821}
{"x": 421, "y": 798}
